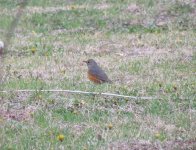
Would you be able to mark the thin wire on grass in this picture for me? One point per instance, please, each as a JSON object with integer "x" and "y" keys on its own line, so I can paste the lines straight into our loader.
{"x": 85, "y": 93}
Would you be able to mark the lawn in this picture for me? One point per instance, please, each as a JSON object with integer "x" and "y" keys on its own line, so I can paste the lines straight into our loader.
{"x": 146, "y": 47}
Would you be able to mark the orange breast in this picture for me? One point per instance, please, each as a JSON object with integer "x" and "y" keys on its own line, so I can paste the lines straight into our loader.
{"x": 94, "y": 79}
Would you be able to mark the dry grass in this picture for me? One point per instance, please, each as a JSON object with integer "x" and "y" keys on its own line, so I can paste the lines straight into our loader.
{"x": 146, "y": 49}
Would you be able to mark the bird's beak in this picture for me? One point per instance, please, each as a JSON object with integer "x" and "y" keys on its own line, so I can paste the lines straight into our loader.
{"x": 85, "y": 61}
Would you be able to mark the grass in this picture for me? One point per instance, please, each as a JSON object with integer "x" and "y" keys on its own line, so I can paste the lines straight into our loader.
{"x": 146, "y": 48}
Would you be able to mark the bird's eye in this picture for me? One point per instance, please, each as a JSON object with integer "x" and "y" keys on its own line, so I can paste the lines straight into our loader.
{"x": 88, "y": 62}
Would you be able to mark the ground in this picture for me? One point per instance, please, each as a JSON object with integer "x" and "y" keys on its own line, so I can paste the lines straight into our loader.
{"x": 147, "y": 48}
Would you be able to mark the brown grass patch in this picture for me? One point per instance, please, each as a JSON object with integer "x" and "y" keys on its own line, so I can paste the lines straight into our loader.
{"x": 147, "y": 145}
{"x": 17, "y": 114}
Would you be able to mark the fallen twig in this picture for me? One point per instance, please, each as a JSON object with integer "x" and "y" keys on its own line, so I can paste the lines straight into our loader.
{"x": 83, "y": 92}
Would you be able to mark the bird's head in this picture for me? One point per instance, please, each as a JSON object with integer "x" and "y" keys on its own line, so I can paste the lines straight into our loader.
{"x": 90, "y": 62}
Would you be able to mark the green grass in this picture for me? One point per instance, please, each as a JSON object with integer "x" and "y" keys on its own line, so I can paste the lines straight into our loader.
{"x": 5, "y": 21}
{"x": 141, "y": 57}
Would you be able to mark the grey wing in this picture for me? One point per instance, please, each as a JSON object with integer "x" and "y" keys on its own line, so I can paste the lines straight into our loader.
{"x": 100, "y": 74}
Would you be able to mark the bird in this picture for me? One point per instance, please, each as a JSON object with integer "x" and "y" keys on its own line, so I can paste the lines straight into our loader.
{"x": 95, "y": 73}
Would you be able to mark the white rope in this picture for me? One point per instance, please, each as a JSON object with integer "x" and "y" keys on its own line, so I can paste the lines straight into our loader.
{"x": 83, "y": 92}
